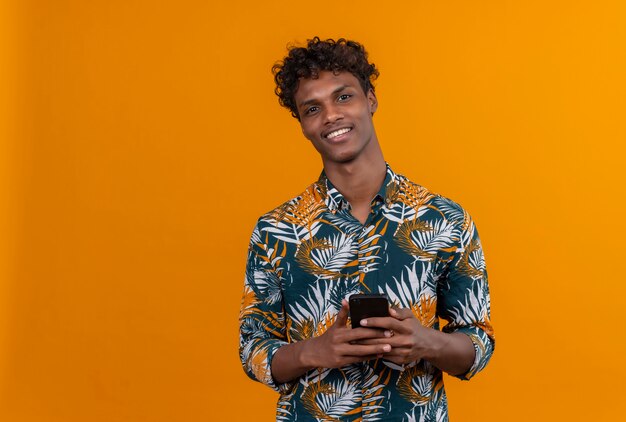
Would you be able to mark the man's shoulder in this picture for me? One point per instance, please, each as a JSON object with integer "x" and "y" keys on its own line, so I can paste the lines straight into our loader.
{"x": 302, "y": 206}
{"x": 444, "y": 206}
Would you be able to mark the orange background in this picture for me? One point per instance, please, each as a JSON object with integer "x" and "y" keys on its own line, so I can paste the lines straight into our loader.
{"x": 142, "y": 139}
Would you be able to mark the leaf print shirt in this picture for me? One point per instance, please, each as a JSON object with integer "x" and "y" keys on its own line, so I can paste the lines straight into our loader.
{"x": 419, "y": 248}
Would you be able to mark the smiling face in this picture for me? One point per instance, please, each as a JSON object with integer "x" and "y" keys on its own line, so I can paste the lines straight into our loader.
{"x": 336, "y": 116}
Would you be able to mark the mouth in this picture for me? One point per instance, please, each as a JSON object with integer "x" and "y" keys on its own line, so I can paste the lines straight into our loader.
{"x": 335, "y": 134}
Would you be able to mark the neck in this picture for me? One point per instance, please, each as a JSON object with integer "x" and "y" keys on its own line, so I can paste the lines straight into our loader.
{"x": 360, "y": 180}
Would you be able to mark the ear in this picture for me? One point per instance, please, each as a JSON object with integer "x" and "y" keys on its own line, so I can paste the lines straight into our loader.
{"x": 372, "y": 101}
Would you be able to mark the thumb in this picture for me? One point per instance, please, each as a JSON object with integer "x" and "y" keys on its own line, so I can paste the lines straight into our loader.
{"x": 342, "y": 316}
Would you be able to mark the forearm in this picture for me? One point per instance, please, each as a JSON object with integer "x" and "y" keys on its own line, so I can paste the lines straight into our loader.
{"x": 453, "y": 353}
{"x": 290, "y": 362}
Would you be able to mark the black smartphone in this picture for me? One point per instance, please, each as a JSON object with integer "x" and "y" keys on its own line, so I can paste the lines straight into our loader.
{"x": 367, "y": 305}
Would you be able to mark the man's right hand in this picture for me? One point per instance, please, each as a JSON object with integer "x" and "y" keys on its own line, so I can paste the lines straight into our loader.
{"x": 337, "y": 347}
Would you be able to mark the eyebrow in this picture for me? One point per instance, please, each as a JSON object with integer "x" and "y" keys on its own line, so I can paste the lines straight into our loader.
{"x": 336, "y": 91}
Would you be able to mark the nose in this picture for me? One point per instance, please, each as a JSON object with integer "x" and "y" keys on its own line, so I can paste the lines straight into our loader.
{"x": 333, "y": 113}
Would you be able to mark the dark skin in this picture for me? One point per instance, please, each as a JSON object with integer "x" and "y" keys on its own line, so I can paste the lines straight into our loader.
{"x": 399, "y": 338}
{"x": 337, "y": 347}
{"x": 336, "y": 116}
{"x": 353, "y": 161}
{"x": 411, "y": 341}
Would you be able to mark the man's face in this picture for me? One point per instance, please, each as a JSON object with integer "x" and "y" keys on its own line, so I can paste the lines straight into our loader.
{"x": 336, "y": 116}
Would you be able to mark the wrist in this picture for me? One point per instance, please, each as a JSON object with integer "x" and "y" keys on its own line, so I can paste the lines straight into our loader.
{"x": 436, "y": 342}
{"x": 303, "y": 354}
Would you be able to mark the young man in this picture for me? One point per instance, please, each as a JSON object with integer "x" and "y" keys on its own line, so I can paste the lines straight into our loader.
{"x": 360, "y": 228}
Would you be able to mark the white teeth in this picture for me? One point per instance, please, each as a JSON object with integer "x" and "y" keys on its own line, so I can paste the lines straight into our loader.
{"x": 338, "y": 132}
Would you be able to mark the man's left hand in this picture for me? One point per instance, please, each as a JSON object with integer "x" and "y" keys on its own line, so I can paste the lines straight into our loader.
{"x": 409, "y": 340}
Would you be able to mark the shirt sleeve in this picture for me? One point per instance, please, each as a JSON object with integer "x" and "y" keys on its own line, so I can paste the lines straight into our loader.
{"x": 261, "y": 318}
{"x": 463, "y": 298}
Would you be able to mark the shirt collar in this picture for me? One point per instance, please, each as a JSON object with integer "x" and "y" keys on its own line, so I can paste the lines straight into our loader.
{"x": 335, "y": 201}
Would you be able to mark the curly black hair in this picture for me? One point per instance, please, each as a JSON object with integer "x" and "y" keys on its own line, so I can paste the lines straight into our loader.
{"x": 319, "y": 55}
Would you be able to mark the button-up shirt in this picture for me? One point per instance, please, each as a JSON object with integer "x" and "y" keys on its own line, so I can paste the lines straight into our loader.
{"x": 420, "y": 249}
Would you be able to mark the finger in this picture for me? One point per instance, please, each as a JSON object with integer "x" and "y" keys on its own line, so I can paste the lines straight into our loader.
{"x": 356, "y": 359}
{"x": 389, "y": 323}
{"x": 361, "y": 333}
{"x": 396, "y": 352}
{"x": 365, "y": 350}
{"x": 392, "y": 342}
{"x": 342, "y": 315}
{"x": 401, "y": 313}
{"x": 381, "y": 337}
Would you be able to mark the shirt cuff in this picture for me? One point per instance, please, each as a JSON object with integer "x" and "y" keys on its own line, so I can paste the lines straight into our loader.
{"x": 259, "y": 365}
{"x": 483, "y": 347}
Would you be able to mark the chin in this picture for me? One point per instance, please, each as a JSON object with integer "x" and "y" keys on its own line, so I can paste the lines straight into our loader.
{"x": 345, "y": 159}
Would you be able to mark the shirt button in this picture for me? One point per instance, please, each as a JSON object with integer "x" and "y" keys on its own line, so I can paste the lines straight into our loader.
{"x": 366, "y": 270}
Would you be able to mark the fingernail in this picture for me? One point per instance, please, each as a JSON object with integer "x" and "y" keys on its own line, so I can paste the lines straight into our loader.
{"x": 387, "y": 333}
{"x": 363, "y": 322}
{"x": 386, "y": 347}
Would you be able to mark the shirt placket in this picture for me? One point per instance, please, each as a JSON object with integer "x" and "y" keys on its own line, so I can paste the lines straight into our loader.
{"x": 365, "y": 268}
{"x": 365, "y": 265}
